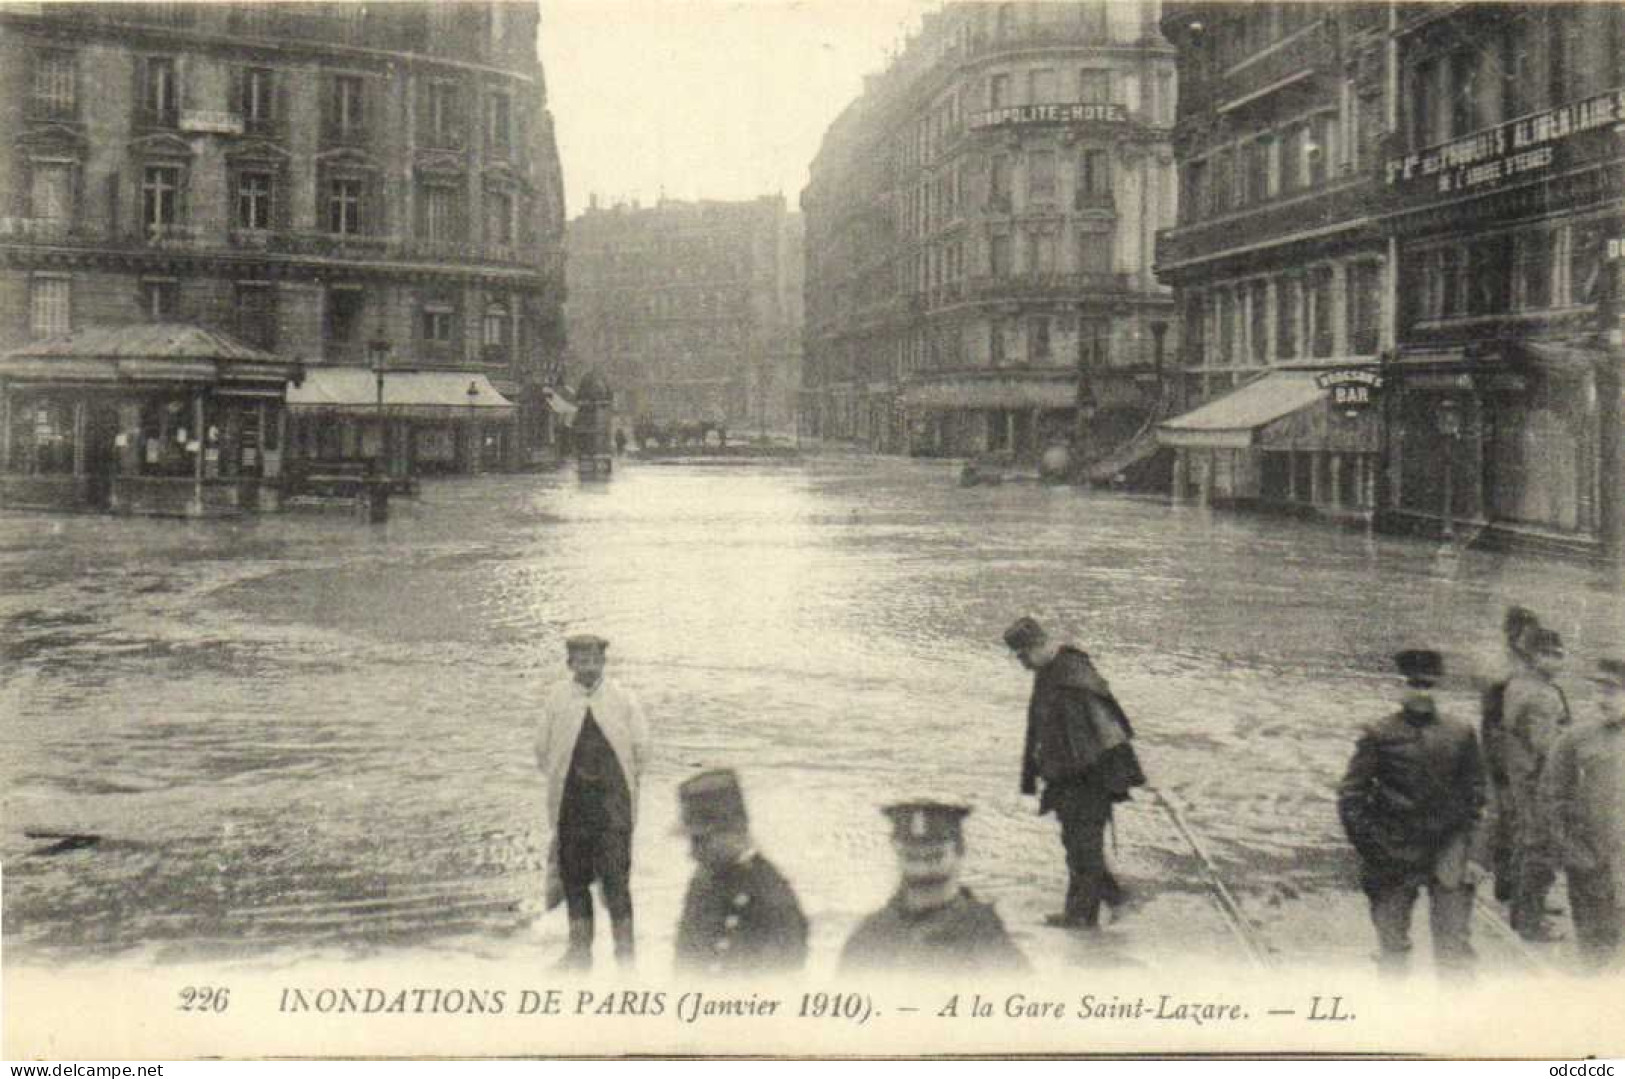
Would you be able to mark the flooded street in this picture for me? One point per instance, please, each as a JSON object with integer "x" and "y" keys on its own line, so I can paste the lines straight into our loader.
{"x": 302, "y": 736}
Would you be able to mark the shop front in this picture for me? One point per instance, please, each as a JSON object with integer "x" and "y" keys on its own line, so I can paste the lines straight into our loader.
{"x": 153, "y": 419}
{"x": 1003, "y": 411}
{"x": 1303, "y": 440}
{"x": 404, "y": 423}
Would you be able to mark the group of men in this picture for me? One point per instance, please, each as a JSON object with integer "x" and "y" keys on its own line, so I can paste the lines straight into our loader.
{"x": 1419, "y": 783}
{"x": 740, "y": 916}
{"x": 1411, "y": 802}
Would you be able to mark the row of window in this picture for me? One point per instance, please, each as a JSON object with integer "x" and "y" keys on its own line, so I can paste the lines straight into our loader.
{"x": 1293, "y": 157}
{"x": 255, "y": 314}
{"x": 1317, "y": 313}
{"x": 1257, "y": 26}
{"x": 1527, "y": 61}
{"x": 940, "y": 201}
{"x": 348, "y": 203}
{"x": 1530, "y": 270}
{"x": 442, "y": 119}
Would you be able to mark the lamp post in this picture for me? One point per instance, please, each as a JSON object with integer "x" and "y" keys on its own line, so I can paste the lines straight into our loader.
{"x": 1449, "y": 417}
{"x": 473, "y": 394}
{"x": 378, "y": 354}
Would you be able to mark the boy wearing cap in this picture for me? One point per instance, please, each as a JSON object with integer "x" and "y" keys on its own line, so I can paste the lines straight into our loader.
{"x": 592, "y": 745}
{"x": 931, "y": 925}
{"x": 1583, "y": 804}
{"x": 1079, "y": 742}
{"x": 740, "y": 916}
{"x": 1409, "y": 800}
{"x": 1535, "y": 711}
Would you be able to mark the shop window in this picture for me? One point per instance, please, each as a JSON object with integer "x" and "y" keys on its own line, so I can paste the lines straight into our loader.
{"x": 1490, "y": 281}
{"x": 1585, "y": 263}
{"x": 49, "y": 306}
{"x": 1535, "y": 264}
{"x": 42, "y": 436}
{"x": 1286, "y": 318}
{"x": 1363, "y": 286}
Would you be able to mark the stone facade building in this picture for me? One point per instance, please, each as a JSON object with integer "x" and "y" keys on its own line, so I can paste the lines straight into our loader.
{"x": 980, "y": 227}
{"x": 691, "y": 310}
{"x": 1418, "y": 199}
{"x": 347, "y": 186}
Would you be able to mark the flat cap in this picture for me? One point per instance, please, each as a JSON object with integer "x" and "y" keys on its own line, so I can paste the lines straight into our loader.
{"x": 1420, "y": 665}
{"x": 1610, "y": 672}
{"x": 1024, "y": 632}
{"x": 585, "y": 642}
{"x": 926, "y": 821}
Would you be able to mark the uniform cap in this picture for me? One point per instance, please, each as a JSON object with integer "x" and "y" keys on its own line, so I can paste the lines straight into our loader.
{"x": 1610, "y": 672}
{"x": 926, "y": 821}
{"x": 1024, "y": 632}
{"x": 585, "y": 642}
{"x": 711, "y": 802}
{"x": 1420, "y": 665}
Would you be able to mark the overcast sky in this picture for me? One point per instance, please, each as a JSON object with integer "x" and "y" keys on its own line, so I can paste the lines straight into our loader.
{"x": 723, "y": 99}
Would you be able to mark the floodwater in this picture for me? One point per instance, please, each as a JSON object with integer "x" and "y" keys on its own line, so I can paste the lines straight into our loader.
{"x": 305, "y": 736}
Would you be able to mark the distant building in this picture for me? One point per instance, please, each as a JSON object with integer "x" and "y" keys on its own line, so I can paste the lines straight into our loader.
{"x": 313, "y": 180}
{"x": 980, "y": 228}
{"x": 691, "y": 310}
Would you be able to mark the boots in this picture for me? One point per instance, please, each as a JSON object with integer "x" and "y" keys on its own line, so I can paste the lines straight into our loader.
{"x": 625, "y": 950}
{"x": 579, "y": 954}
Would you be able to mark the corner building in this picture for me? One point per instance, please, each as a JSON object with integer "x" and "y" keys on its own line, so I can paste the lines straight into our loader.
{"x": 345, "y": 186}
{"x": 980, "y": 228}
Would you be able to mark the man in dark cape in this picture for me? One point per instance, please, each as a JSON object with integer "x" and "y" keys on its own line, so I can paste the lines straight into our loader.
{"x": 1079, "y": 742}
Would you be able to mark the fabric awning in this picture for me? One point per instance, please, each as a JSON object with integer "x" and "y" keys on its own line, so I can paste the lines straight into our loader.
{"x": 993, "y": 389}
{"x": 561, "y": 408}
{"x": 1579, "y": 357}
{"x": 442, "y": 395}
{"x": 1232, "y": 421}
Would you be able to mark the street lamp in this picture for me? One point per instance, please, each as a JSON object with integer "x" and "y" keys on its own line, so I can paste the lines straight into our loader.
{"x": 473, "y": 394}
{"x": 1449, "y": 419}
{"x": 378, "y": 353}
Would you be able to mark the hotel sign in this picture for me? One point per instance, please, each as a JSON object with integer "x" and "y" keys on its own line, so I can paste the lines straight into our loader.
{"x": 1520, "y": 149}
{"x": 1352, "y": 389}
{"x": 1081, "y": 112}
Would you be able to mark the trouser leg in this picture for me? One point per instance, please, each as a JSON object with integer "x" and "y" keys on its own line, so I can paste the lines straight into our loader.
{"x": 1391, "y": 916}
{"x": 614, "y": 876}
{"x": 1084, "y": 813}
{"x": 1532, "y": 871}
{"x": 576, "y": 873}
{"x": 1597, "y": 916}
{"x": 1501, "y": 847}
{"x": 1450, "y": 913}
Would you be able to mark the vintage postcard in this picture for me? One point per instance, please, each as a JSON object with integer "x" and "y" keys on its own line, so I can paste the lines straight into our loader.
{"x": 639, "y": 527}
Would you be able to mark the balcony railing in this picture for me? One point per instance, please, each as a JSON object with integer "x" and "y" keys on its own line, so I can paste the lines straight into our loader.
{"x": 170, "y": 236}
{"x": 54, "y": 109}
{"x": 37, "y": 229}
{"x": 1046, "y": 285}
{"x": 1094, "y": 200}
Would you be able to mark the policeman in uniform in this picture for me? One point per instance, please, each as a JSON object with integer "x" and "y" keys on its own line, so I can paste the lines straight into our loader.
{"x": 932, "y": 924}
{"x": 1409, "y": 801}
{"x": 740, "y": 917}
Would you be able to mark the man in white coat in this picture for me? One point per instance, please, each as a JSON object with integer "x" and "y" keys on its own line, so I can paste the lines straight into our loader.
{"x": 592, "y": 745}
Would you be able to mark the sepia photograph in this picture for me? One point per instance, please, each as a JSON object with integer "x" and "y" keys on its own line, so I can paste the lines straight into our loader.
{"x": 812, "y": 529}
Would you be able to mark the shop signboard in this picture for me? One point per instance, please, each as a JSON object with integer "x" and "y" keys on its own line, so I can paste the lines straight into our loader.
{"x": 1352, "y": 390}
